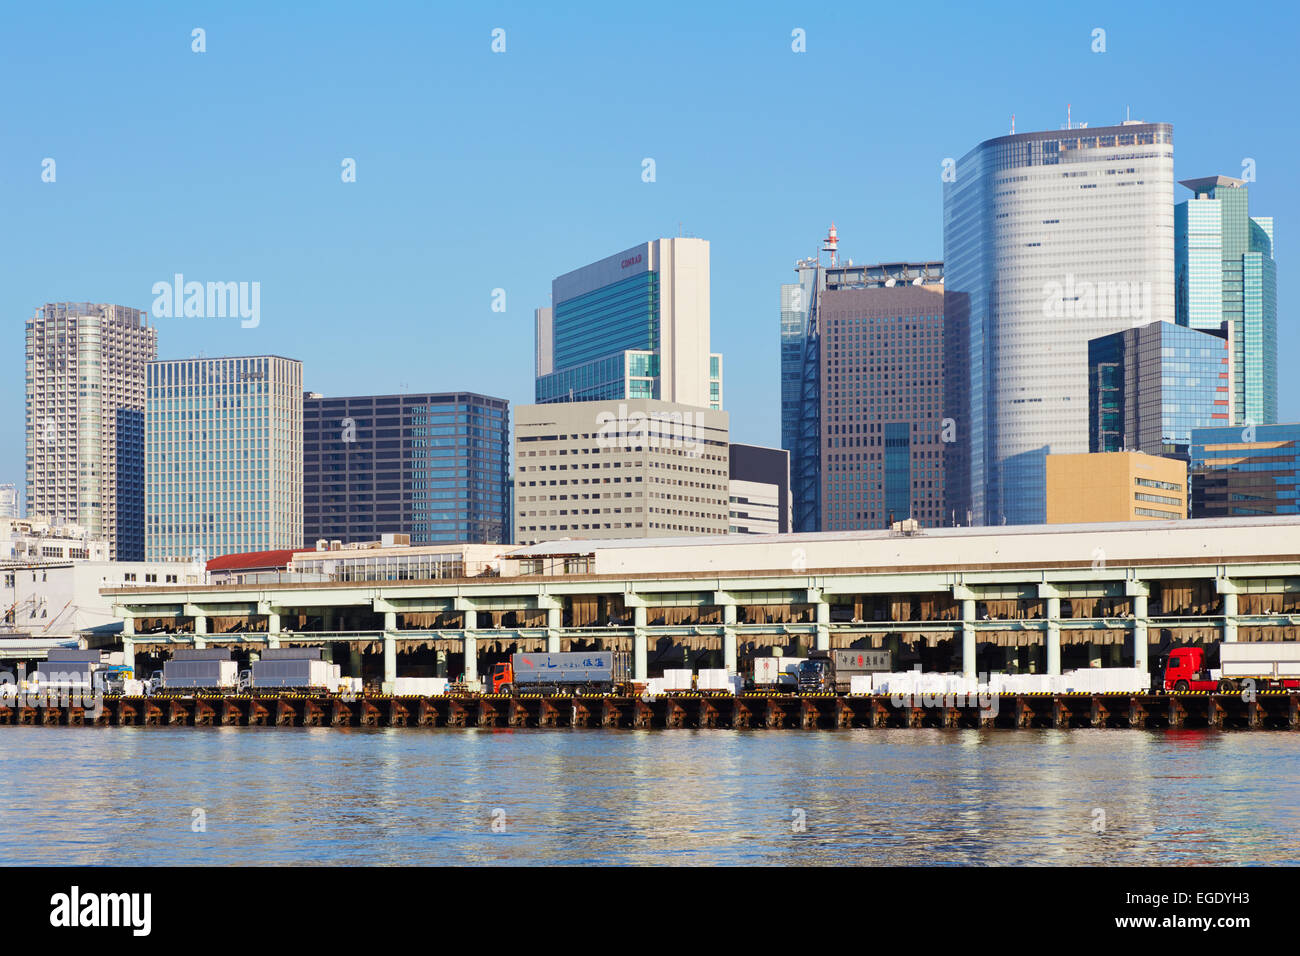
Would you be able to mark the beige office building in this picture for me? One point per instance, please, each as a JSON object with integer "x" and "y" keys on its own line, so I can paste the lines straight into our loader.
{"x": 1115, "y": 486}
{"x": 634, "y": 468}
{"x": 85, "y": 419}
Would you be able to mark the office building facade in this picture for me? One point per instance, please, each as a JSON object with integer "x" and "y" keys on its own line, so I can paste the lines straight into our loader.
{"x": 1115, "y": 486}
{"x": 223, "y": 456}
{"x": 625, "y": 469}
{"x": 1051, "y": 239}
{"x": 85, "y": 371}
{"x": 8, "y": 501}
{"x": 1148, "y": 387}
{"x": 433, "y": 466}
{"x": 1226, "y": 273}
{"x": 759, "y": 489}
{"x": 862, "y": 394}
{"x": 633, "y": 325}
{"x": 1251, "y": 470}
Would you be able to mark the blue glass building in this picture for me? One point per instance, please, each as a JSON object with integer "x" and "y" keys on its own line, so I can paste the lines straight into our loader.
{"x": 434, "y": 466}
{"x": 633, "y": 325}
{"x": 1148, "y": 387}
{"x": 1225, "y": 272}
{"x": 1253, "y": 470}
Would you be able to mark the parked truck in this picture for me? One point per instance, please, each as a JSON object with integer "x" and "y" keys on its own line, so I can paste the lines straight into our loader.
{"x": 775, "y": 673}
{"x": 201, "y": 670}
{"x": 600, "y": 672}
{"x": 294, "y": 668}
{"x": 832, "y": 672}
{"x": 1271, "y": 665}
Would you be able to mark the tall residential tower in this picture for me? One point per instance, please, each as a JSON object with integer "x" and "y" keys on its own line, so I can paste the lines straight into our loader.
{"x": 85, "y": 419}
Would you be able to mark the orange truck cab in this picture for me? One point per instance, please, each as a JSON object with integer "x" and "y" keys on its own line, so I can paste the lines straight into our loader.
{"x": 502, "y": 679}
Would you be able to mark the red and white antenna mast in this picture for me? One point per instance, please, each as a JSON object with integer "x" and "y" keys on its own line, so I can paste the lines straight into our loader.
{"x": 831, "y": 243}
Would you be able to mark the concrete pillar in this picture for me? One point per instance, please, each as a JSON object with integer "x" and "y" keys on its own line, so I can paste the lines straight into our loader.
{"x": 390, "y": 651}
{"x": 128, "y": 626}
{"x": 1054, "y": 636}
{"x": 968, "y": 638}
{"x": 554, "y": 621}
{"x": 200, "y": 642}
{"x": 390, "y": 662}
{"x": 200, "y": 625}
{"x": 273, "y": 623}
{"x": 1230, "y": 616}
{"x": 729, "y": 637}
{"x": 273, "y": 640}
{"x": 1140, "y": 641}
{"x": 128, "y": 653}
{"x": 640, "y": 667}
{"x": 354, "y": 660}
{"x": 471, "y": 646}
{"x": 328, "y": 623}
{"x": 823, "y": 626}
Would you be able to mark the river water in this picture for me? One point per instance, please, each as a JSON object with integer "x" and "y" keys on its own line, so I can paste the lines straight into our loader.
{"x": 130, "y": 796}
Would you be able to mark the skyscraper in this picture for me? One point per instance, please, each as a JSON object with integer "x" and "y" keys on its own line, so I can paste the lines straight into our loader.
{"x": 862, "y": 393}
{"x": 85, "y": 419}
{"x": 633, "y": 325}
{"x": 1226, "y": 273}
{"x": 1148, "y": 388}
{"x": 223, "y": 456}
{"x": 433, "y": 466}
{"x": 1050, "y": 239}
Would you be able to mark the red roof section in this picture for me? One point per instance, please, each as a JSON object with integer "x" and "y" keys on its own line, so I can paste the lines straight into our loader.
{"x": 255, "y": 560}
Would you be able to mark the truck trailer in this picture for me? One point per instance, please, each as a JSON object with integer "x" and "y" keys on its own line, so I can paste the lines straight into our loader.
{"x": 1271, "y": 665}
{"x": 201, "y": 669}
{"x": 294, "y": 668}
{"x": 600, "y": 672}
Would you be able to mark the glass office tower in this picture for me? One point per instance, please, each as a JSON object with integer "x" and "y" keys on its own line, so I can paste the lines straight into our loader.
{"x": 85, "y": 374}
{"x": 633, "y": 325}
{"x": 434, "y": 466}
{"x": 1051, "y": 239}
{"x": 223, "y": 456}
{"x": 1226, "y": 273}
{"x": 1149, "y": 387}
{"x": 1246, "y": 471}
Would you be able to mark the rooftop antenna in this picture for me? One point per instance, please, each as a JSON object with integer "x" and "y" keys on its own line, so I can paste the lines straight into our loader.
{"x": 1068, "y": 123}
{"x": 1013, "y": 124}
{"x": 831, "y": 243}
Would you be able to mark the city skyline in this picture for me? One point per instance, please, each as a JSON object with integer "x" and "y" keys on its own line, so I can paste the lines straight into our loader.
{"x": 501, "y": 232}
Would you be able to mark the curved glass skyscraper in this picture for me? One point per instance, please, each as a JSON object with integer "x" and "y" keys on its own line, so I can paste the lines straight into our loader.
{"x": 1050, "y": 239}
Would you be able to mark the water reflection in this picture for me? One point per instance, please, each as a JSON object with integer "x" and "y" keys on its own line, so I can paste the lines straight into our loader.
{"x": 937, "y": 797}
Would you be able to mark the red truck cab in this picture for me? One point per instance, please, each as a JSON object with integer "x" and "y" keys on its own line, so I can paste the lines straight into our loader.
{"x": 1185, "y": 670}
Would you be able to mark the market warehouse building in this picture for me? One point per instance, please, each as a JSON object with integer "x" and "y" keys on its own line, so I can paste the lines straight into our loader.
{"x": 1033, "y": 598}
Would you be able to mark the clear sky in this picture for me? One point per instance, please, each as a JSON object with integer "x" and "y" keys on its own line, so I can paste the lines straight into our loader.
{"x": 478, "y": 171}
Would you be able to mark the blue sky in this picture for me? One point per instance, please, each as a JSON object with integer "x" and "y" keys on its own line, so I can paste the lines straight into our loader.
{"x": 478, "y": 171}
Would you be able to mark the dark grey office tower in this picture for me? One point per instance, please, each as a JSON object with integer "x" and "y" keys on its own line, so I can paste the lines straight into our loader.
{"x": 434, "y": 466}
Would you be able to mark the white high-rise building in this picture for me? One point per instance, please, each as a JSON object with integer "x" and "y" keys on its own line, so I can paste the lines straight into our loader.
{"x": 85, "y": 419}
{"x": 1050, "y": 239}
{"x": 8, "y": 501}
{"x": 223, "y": 457}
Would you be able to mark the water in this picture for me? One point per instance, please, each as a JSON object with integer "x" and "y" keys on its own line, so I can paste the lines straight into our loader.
{"x": 128, "y": 796}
